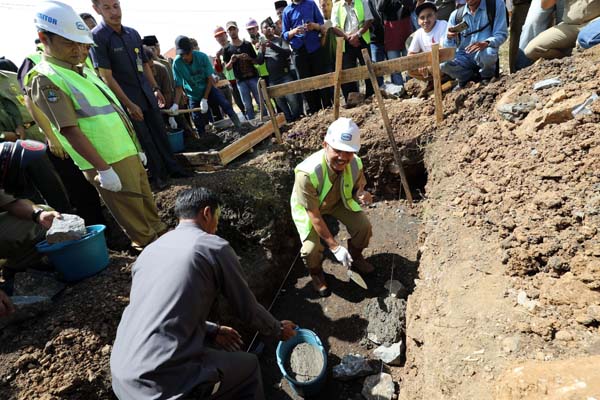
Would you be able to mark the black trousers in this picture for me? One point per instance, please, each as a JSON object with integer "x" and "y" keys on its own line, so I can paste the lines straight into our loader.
{"x": 82, "y": 194}
{"x": 312, "y": 64}
{"x": 152, "y": 135}
{"x": 349, "y": 60}
{"x": 237, "y": 97}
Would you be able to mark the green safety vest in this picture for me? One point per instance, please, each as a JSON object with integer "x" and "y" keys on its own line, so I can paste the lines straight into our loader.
{"x": 340, "y": 12}
{"x": 262, "y": 69}
{"x": 316, "y": 168}
{"x": 97, "y": 116}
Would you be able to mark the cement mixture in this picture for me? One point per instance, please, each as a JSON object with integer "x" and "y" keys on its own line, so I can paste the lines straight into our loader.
{"x": 305, "y": 362}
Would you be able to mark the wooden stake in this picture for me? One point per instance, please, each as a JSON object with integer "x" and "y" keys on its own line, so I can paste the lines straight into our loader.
{"x": 387, "y": 123}
{"x": 267, "y": 101}
{"x": 337, "y": 85}
{"x": 437, "y": 82}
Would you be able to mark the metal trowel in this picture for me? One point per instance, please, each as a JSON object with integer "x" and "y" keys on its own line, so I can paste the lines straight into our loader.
{"x": 356, "y": 278}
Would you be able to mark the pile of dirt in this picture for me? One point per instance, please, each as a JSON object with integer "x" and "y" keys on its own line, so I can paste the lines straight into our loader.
{"x": 305, "y": 362}
{"x": 510, "y": 266}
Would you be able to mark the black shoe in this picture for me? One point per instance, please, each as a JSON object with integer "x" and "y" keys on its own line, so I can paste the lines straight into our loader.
{"x": 183, "y": 173}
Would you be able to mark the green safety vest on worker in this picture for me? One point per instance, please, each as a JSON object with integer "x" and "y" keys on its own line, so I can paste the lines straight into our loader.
{"x": 94, "y": 106}
{"x": 340, "y": 13}
{"x": 316, "y": 168}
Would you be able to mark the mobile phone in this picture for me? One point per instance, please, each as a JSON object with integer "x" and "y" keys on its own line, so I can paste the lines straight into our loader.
{"x": 463, "y": 26}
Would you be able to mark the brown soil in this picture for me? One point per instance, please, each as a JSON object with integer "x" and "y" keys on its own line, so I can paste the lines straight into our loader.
{"x": 504, "y": 298}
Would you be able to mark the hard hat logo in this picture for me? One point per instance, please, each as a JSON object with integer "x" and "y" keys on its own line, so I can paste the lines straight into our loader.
{"x": 346, "y": 137}
{"x": 32, "y": 145}
{"x": 343, "y": 135}
{"x": 80, "y": 26}
{"x": 46, "y": 18}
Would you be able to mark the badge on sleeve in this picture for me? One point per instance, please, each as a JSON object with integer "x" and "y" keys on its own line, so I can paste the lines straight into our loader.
{"x": 52, "y": 96}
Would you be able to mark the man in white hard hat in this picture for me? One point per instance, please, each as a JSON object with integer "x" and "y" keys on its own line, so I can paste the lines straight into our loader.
{"x": 331, "y": 182}
{"x": 91, "y": 125}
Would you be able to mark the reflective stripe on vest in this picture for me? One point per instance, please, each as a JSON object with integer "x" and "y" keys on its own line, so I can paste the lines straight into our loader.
{"x": 341, "y": 15}
{"x": 316, "y": 168}
{"x": 98, "y": 113}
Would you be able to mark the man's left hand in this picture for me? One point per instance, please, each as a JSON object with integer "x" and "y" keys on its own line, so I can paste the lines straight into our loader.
{"x": 229, "y": 339}
{"x": 477, "y": 46}
{"x": 160, "y": 98}
{"x": 354, "y": 40}
{"x": 46, "y": 218}
{"x": 364, "y": 197}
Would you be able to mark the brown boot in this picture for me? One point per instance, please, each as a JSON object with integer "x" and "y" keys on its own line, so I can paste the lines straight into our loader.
{"x": 318, "y": 282}
{"x": 358, "y": 261}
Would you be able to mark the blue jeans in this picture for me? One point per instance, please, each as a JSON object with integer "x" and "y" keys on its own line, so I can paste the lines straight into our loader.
{"x": 249, "y": 88}
{"x": 396, "y": 77}
{"x": 215, "y": 98}
{"x": 291, "y": 105}
{"x": 589, "y": 36}
{"x": 378, "y": 54}
{"x": 465, "y": 66}
{"x": 537, "y": 21}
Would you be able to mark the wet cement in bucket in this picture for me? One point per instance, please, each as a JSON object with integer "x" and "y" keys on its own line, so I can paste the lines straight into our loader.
{"x": 305, "y": 363}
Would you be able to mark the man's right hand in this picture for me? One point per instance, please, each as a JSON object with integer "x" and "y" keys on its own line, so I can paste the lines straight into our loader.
{"x": 300, "y": 30}
{"x": 109, "y": 180}
{"x": 288, "y": 330}
{"x": 452, "y": 35}
{"x": 6, "y": 306}
{"x": 10, "y": 136}
{"x": 57, "y": 149}
{"x": 343, "y": 256}
{"x": 135, "y": 112}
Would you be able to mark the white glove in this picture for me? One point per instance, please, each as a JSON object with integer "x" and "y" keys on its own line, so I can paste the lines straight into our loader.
{"x": 174, "y": 108}
{"x": 342, "y": 255}
{"x": 172, "y": 123}
{"x": 204, "y": 106}
{"x": 143, "y": 158}
{"x": 109, "y": 180}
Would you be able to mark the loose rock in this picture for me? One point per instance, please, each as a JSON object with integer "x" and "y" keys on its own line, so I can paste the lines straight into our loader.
{"x": 69, "y": 227}
{"x": 387, "y": 319}
{"x": 378, "y": 387}
{"x": 351, "y": 367}
{"x": 390, "y": 355}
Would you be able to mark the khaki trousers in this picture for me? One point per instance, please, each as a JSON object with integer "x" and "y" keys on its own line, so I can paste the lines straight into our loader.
{"x": 555, "y": 42}
{"x": 358, "y": 226}
{"x": 17, "y": 241}
{"x": 137, "y": 216}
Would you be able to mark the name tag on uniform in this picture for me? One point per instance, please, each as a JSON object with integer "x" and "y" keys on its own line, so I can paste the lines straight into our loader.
{"x": 138, "y": 60}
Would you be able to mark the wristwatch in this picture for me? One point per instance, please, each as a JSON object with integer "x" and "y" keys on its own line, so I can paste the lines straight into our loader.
{"x": 35, "y": 215}
{"x": 155, "y": 88}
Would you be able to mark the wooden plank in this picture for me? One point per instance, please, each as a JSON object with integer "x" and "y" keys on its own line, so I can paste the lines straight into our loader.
{"x": 267, "y": 98}
{"x": 181, "y": 111}
{"x": 244, "y": 144}
{"x": 437, "y": 82}
{"x": 199, "y": 158}
{"x": 414, "y": 61}
{"x": 387, "y": 123}
{"x": 339, "y": 53}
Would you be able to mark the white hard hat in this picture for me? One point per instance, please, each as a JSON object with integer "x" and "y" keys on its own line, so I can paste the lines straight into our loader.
{"x": 343, "y": 134}
{"x": 61, "y": 19}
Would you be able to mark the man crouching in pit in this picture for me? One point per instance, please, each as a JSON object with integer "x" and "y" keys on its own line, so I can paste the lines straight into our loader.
{"x": 331, "y": 182}
{"x": 162, "y": 349}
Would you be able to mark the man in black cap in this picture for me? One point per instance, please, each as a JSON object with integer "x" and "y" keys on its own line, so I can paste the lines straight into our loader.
{"x": 22, "y": 224}
{"x": 193, "y": 72}
{"x": 279, "y": 7}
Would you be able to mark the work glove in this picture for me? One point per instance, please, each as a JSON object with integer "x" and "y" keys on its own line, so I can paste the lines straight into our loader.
{"x": 174, "y": 108}
{"x": 172, "y": 123}
{"x": 342, "y": 255}
{"x": 204, "y": 106}
{"x": 109, "y": 180}
{"x": 143, "y": 158}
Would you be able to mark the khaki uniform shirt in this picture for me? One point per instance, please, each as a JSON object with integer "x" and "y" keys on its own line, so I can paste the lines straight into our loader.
{"x": 308, "y": 197}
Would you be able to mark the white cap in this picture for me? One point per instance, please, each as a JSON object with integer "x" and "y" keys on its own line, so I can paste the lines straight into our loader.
{"x": 61, "y": 19}
{"x": 343, "y": 135}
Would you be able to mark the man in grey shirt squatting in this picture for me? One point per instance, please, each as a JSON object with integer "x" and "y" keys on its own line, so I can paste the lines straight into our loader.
{"x": 161, "y": 350}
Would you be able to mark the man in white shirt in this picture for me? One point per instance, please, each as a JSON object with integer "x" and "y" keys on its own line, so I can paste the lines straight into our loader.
{"x": 431, "y": 32}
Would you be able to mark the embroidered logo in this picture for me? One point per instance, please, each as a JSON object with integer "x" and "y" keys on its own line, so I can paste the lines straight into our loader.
{"x": 52, "y": 96}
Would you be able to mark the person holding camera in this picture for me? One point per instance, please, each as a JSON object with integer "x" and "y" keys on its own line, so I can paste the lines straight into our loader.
{"x": 477, "y": 30}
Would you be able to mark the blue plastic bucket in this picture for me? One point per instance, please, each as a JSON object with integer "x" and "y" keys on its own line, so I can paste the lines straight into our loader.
{"x": 176, "y": 141}
{"x": 284, "y": 350}
{"x": 78, "y": 259}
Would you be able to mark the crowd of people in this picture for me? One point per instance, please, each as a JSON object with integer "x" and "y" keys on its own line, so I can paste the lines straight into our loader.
{"x": 102, "y": 98}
